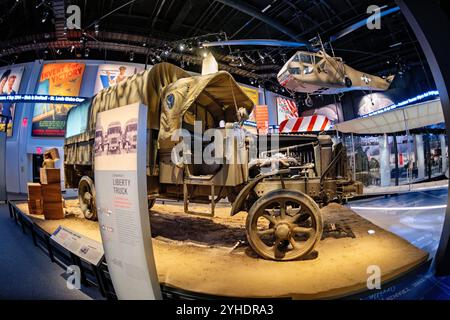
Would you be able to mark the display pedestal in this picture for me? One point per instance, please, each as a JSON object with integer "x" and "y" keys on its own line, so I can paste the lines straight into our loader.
{"x": 208, "y": 257}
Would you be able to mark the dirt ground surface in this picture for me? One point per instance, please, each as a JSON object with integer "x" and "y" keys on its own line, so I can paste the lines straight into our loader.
{"x": 211, "y": 255}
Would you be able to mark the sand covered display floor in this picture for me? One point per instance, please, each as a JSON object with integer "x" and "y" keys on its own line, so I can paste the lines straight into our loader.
{"x": 211, "y": 255}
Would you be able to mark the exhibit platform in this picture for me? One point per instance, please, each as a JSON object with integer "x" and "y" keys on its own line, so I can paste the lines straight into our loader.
{"x": 210, "y": 257}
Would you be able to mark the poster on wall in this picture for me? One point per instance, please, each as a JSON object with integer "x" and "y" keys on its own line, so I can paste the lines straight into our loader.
{"x": 10, "y": 79}
{"x": 373, "y": 102}
{"x": 253, "y": 94}
{"x": 286, "y": 109}
{"x": 111, "y": 74}
{"x": 62, "y": 79}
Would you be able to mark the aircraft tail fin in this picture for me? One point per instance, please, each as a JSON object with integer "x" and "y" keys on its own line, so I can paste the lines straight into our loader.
{"x": 390, "y": 78}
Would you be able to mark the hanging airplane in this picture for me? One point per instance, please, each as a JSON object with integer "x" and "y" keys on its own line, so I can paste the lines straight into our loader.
{"x": 315, "y": 73}
{"x": 320, "y": 73}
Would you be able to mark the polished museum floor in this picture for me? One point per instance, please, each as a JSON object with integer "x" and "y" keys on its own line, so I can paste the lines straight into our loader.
{"x": 26, "y": 271}
{"x": 417, "y": 217}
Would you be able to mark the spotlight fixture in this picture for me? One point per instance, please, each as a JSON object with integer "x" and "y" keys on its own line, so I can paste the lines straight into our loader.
{"x": 181, "y": 47}
{"x": 86, "y": 52}
{"x": 261, "y": 57}
{"x": 249, "y": 57}
{"x": 72, "y": 48}
{"x": 96, "y": 26}
{"x": 241, "y": 61}
{"x": 44, "y": 16}
{"x": 58, "y": 51}
{"x": 131, "y": 55}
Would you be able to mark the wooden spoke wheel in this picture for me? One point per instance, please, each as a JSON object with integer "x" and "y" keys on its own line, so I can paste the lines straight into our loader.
{"x": 284, "y": 225}
{"x": 86, "y": 197}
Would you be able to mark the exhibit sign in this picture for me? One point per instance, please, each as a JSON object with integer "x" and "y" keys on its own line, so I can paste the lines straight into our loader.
{"x": 262, "y": 118}
{"x": 121, "y": 198}
{"x": 10, "y": 79}
{"x": 111, "y": 74}
{"x": 58, "y": 79}
{"x": 85, "y": 248}
{"x": 286, "y": 109}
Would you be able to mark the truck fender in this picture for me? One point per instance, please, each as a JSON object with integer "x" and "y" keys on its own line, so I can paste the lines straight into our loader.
{"x": 243, "y": 194}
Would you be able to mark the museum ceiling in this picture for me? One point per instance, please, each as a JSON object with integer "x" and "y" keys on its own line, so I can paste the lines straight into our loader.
{"x": 151, "y": 31}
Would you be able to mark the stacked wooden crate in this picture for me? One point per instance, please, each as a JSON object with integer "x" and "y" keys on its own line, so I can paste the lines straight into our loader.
{"x": 51, "y": 193}
{"x": 35, "y": 202}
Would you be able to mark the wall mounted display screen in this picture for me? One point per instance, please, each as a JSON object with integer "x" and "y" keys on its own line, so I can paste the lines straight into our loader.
{"x": 286, "y": 109}
{"x": 112, "y": 74}
{"x": 10, "y": 79}
{"x": 59, "y": 79}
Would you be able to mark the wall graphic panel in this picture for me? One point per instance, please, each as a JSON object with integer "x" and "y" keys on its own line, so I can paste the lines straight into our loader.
{"x": 286, "y": 109}
{"x": 62, "y": 79}
{"x": 111, "y": 74}
{"x": 10, "y": 79}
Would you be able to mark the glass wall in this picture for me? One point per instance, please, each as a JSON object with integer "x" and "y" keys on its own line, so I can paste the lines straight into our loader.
{"x": 397, "y": 159}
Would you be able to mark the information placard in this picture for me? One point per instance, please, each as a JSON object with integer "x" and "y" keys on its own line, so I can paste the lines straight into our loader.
{"x": 85, "y": 248}
{"x": 121, "y": 197}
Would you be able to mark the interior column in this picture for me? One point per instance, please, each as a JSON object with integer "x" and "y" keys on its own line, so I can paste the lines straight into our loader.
{"x": 420, "y": 156}
{"x": 385, "y": 168}
{"x": 444, "y": 156}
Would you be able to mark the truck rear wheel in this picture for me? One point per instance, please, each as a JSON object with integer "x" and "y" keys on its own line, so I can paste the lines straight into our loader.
{"x": 86, "y": 197}
{"x": 284, "y": 225}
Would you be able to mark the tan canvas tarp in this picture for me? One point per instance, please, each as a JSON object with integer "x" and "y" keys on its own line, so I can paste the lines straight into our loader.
{"x": 208, "y": 99}
{"x": 216, "y": 94}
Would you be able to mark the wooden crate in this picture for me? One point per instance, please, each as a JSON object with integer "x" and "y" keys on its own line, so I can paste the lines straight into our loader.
{"x": 35, "y": 206}
{"x": 34, "y": 190}
{"x": 49, "y": 176}
{"x": 53, "y": 210}
{"x": 51, "y": 192}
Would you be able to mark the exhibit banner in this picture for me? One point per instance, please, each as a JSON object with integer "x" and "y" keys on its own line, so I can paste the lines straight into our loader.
{"x": 85, "y": 248}
{"x": 262, "y": 118}
{"x": 121, "y": 197}
{"x": 58, "y": 79}
{"x": 111, "y": 74}
{"x": 286, "y": 109}
{"x": 10, "y": 79}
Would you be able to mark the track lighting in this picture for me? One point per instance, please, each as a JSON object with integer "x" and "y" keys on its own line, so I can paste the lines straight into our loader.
{"x": 249, "y": 57}
{"x": 44, "y": 16}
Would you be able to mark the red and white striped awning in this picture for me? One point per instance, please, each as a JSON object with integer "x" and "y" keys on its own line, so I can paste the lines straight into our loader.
{"x": 305, "y": 124}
